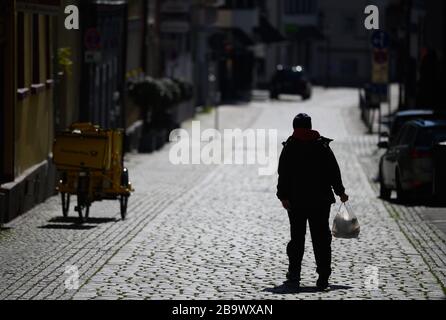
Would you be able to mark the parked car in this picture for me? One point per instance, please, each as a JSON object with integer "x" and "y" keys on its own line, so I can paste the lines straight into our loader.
{"x": 401, "y": 117}
{"x": 290, "y": 80}
{"x": 408, "y": 164}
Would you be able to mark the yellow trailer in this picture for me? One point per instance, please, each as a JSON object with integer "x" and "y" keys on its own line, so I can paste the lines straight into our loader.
{"x": 90, "y": 161}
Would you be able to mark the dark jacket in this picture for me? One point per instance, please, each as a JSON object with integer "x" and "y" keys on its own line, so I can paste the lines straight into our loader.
{"x": 308, "y": 170}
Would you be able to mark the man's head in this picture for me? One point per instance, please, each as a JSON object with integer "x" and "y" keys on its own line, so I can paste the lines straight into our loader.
{"x": 302, "y": 121}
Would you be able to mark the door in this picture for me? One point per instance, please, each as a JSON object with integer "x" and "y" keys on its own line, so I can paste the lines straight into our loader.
{"x": 103, "y": 75}
{"x": 439, "y": 159}
{"x": 2, "y": 109}
{"x": 397, "y": 160}
{"x": 390, "y": 159}
{"x": 405, "y": 161}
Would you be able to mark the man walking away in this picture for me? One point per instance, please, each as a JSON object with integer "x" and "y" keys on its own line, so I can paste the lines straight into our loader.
{"x": 308, "y": 174}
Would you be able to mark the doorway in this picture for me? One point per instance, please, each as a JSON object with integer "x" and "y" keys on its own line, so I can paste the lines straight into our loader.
{"x": 2, "y": 110}
{"x": 103, "y": 78}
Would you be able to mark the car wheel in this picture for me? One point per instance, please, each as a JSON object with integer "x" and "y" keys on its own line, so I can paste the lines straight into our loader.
{"x": 273, "y": 95}
{"x": 401, "y": 194}
{"x": 384, "y": 192}
{"x": 306, "y": 96}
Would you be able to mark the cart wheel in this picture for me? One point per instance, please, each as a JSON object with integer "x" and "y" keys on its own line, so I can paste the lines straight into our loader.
{"x": 123, "y": 201}
{"x": 79, "y": 210}
{"x": 84, "y": 212}
{"x": 83, "y": 208}
{"x": 125, "y": 177}
{"x": 87, "y": 212}
{"x": 65, "y": 203}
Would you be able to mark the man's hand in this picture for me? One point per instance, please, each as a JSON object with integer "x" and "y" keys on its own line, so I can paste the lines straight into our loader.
{"x": 344, "y": 198}
{"x": 286, "y": 204}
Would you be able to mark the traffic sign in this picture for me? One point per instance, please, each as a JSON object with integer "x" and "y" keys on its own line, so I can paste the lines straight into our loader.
{"x": 380, "y": 66}
{"x": 93, "y": 56}
{"x": 380, "y": 56}
{"x": 380, "y": 39}
{"x": 379, "y": 89}
{"x": 92, "y": 39}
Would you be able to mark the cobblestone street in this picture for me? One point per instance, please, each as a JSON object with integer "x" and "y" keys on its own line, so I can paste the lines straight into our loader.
{"x": 219, "y": 232}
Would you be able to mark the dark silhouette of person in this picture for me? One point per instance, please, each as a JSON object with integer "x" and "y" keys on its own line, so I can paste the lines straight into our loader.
{"x": 308, "y": 174}
{"x": 428, "y": 85}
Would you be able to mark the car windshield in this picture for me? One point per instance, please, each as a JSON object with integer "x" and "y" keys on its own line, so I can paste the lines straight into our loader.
{"x": 430, "y": 136}
{"x": 401, "y": 120}
{"x": 289, "y": 75}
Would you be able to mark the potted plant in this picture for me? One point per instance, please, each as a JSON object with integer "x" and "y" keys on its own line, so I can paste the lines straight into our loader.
{"x": 148, "y": 95}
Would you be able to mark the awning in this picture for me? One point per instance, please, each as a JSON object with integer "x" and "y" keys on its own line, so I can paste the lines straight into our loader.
{"x": 39, "y": 6}
{"x": 242, "y": 36}
{"x": 267, "y": 33}
{"x": 224, "y": 36}
{"x": 295, "y": 32}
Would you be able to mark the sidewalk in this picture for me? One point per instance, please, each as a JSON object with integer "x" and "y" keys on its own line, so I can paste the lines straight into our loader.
{"x": 423, "y": 226}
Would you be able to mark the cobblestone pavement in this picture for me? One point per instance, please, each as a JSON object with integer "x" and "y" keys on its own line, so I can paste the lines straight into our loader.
{"x": 217, "y": 232}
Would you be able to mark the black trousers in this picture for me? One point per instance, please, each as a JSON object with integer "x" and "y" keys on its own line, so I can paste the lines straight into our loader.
{"x": 318, "y": 217}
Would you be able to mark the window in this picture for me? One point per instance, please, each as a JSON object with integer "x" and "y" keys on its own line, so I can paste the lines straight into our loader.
{"x": 299, "y": 6}
{"x": 427, "y": 137}
{"x": 407, "y": 135}
{"x": 229, "y": 4}
{"x": 241, "y": 4}
{"x": 2, "y": 142}
{"x": 35, "y": 49}
{"x": 48, "y": 48}
{"x": 349, "y": 25}
{"x": 261, "y": 66}
{"x": 21, "y": 50}
{"x": 349, "y": 67}
{"x": 401, "y": 135}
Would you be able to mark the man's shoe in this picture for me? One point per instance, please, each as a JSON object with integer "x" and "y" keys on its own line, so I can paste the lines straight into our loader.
{"x": 293, "y": 276}
{"x": 322, "y": 284}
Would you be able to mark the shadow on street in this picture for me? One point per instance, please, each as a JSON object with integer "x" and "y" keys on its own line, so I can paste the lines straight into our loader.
{"x": 67, "y": 227}
{"x": 426, "y": 202}
{"x": 76, "y": 220}
{"x": 290, "y": 288}
{"x": 72, "y": 223}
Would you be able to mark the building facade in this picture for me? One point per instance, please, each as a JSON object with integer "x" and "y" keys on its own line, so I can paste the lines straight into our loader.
{"x": 52, "y": 77}
{"x": 28, "y": 111}
{"x": 328, "y": 38}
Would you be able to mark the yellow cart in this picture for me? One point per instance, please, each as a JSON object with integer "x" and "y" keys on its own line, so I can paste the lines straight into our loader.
{"x": 90, "y": 161}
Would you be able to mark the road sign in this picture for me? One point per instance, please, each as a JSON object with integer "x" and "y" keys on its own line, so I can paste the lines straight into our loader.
{"x": 92, "y": 39}
{"x": 380, "y": 66}
{"x": 93, "y": 56}
{"x": 380, "y": 56}
{"x": 380, "y": 71}
{"x": 380, "y": 39}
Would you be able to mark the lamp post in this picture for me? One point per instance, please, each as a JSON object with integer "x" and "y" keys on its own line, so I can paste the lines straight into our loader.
{"x": 325, "y": 26}
{"x": 328, "y": 62}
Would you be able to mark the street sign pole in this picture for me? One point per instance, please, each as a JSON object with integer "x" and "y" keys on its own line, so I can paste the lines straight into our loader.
{"x": 217, "y": 118}
{"x": 380, "y": 71}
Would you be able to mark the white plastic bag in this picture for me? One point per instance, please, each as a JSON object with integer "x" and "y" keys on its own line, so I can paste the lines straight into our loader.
{"x": 345, "y": 224}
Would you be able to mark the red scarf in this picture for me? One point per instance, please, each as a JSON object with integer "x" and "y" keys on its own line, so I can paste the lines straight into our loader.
{"x": 306, "y": 134}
